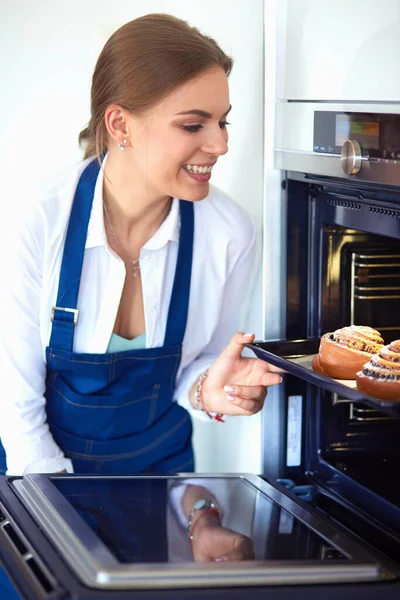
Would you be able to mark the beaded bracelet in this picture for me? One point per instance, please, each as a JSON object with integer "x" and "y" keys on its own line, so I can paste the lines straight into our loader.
{"x": 199, "y": 399}
{"x": 199, "y": 387}
{"x": 211, "y": 511}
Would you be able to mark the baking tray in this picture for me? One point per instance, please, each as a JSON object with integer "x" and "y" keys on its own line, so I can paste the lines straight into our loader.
{"x": 295, "y": 357}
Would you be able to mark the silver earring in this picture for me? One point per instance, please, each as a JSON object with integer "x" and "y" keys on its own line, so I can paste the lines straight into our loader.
{"x": 120, "y": 146}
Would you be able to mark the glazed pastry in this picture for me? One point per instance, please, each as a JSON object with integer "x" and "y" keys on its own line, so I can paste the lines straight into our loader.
{"x": 345, "y": 351}
{"x": 380, "y": 376}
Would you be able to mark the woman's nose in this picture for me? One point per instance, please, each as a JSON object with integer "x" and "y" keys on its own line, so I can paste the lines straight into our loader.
{"x": 217, "y": 143}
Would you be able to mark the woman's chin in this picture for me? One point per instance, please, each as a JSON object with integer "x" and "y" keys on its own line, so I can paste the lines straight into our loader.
{"x": 194, "y": 195}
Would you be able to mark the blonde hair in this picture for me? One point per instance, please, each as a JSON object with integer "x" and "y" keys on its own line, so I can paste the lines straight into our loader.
{"x": 141, "y": 63}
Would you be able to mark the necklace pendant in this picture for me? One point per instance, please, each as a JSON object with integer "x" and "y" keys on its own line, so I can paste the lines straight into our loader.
{"x": 135, "y": 266}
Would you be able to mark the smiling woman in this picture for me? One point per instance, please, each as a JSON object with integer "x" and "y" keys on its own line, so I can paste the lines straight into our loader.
{"x": 126, "y": 279}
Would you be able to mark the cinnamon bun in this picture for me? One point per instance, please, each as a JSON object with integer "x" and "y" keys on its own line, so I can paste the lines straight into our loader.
{"x": 345, "y": 351}
{"x": 380, "y": 376}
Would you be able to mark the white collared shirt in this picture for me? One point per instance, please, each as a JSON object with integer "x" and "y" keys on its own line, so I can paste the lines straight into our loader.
{"x": 32, "y": 247}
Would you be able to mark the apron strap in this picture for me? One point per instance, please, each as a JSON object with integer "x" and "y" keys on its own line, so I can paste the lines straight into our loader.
{"x": 179, "y": 304}
{"x": 65, "y": 315}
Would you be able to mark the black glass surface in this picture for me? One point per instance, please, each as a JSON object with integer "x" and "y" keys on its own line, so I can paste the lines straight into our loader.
{"x": 136, "y": 520}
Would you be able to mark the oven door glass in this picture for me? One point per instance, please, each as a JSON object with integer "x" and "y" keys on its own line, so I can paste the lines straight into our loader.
{"x": 130, "y": 532}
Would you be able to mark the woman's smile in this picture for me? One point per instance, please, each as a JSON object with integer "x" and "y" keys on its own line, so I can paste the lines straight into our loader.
{"x": 199, "y": 172}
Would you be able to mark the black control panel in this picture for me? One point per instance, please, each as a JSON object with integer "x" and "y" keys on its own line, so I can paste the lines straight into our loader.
{"x": 377, "y": 133}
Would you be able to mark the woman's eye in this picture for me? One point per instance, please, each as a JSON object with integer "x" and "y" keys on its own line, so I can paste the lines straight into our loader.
{"x": 195, "y": 128}
{"x": 192, "y": 128}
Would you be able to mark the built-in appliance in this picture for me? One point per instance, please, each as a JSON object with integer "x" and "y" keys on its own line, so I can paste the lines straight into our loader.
{"x": 341, "y": 223}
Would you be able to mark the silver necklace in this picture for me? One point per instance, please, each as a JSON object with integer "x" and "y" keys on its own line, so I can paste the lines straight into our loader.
{"x": 133, "y": 265}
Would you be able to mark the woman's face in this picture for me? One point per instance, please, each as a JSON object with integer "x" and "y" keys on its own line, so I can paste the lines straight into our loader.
{"x": 175, "y": 145}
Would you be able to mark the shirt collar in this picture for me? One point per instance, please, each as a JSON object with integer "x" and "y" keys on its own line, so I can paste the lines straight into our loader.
{"x": 96, "y": 235}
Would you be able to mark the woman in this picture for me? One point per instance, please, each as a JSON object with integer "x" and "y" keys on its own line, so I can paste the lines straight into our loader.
{"x": 125, "y": 279}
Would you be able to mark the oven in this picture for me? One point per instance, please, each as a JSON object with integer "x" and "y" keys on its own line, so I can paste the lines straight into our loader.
{"x": 341, "y": 225}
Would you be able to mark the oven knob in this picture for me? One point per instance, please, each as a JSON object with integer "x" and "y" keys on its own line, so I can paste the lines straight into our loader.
{"x": 351, "y": 157}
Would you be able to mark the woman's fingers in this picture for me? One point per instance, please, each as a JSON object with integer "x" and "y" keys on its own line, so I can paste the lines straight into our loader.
{"x": 235, "y": 347}
{"x": 233, "y": 556}
{"x": 249, "y": 398}
{"x": 243, "y": 550}
{"x": 253, "y": 392}
{"x": 268, "y": 379}
{"x": 246, "y": 407}
{"x": 274, "y": 369}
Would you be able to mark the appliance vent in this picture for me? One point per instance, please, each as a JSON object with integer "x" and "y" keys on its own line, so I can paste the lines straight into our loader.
{"x": 39, "y": 574}
{"x": 345, "y": 203}
{"x": 41, "y": 580}
{"x": 385, "y": 211}
{"x": 14, "y": 537}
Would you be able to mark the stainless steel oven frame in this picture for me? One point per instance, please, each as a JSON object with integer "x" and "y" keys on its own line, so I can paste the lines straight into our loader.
{"x": 91, "y": 560}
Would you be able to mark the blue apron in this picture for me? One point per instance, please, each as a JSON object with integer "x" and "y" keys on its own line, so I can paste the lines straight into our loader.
{"x": 114, "y": 413}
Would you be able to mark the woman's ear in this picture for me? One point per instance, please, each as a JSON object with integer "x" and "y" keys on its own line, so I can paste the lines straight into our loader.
{"x": 116, "y": 124}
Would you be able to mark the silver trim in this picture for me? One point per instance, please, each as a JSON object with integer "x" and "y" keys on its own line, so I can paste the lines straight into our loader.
{"x": 336, "y": 399}
{"x": 394, "y": 297}
{"x": 382, "y": 276}
{"x": 378, "y": 256}
{"x": 353, "y": 277}
{"x": 378, "y": 265}
{"x": 354, "y": 409}
{"x": 374, "y": 170}
{"x": 70, "y": 310}
{"x": 368, "y": 414}
{"x": 93, "y": 563}
{"x": 362, "y": 288}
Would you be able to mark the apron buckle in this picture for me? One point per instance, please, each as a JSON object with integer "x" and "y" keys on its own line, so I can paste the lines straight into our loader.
{"x": 71, "y": 310}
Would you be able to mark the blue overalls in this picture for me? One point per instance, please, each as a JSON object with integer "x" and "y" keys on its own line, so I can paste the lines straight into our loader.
{"x": 114, "y": 413}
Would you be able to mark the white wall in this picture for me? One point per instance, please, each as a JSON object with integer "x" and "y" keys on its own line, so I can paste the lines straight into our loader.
{"x": 48, "y": 49}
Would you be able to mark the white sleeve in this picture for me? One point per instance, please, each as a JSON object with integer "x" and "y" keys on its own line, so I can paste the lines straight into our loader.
{"x": 237, "y": 288}
{"x": 177, "y": 491}
{"x": 24, "y": 432}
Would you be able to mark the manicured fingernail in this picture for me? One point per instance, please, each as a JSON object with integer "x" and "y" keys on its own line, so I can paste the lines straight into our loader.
{"x": 219, "y": 559}
{"x": 229, "y": 388}
{"x": 248, "y": 334}
{"x": 231, "y": 398}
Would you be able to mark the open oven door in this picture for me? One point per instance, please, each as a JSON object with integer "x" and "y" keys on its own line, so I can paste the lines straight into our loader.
{"x": 113, "y": 533}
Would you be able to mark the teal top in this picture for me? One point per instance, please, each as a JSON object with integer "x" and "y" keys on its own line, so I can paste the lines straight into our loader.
{"x": 120, "y": 344}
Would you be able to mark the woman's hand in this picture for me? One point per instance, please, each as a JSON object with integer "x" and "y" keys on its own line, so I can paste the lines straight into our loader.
{"x": 236, "y": 385}
{"x": 211, "y": 542}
